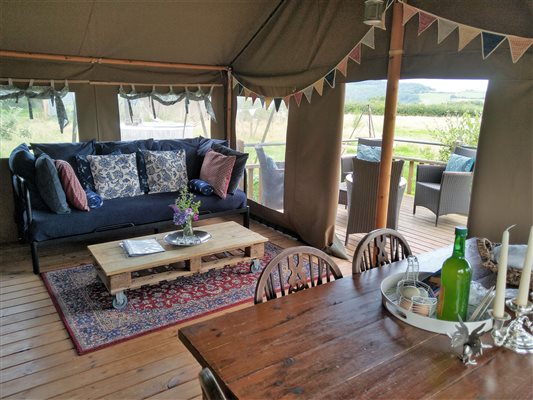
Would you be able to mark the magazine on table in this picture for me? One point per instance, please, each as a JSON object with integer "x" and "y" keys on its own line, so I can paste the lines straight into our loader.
{"x": 141, "y": 247}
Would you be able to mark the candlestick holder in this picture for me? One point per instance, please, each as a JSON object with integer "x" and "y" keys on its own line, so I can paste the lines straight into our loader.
{"x": 519, "y": 337}
{"x": 499, "y": 330}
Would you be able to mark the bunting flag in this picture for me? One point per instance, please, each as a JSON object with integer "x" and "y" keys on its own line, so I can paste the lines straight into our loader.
{"x": 424, "y": 21}
{"x": 308, "y": 93}
{"x": 262, "y": 101}
{"x": 408, "y": 13}
{"x": 330, "y": 78}
{"x": 368, "y": 39}
{"x": 247, "y": 93}
{"x": 343, "y": 66}
{"x": 319, "y": 86}
{"x": 445, "y": 27}
{"x": 518, "y": 46}
{"x": 490, "y": 42}
{"x": 268, "y": 102}
{"x": 286, "y": 100}
{"x": 253, "y": 95}
{"x": 239, "y": 89}
{"x": 355, "y": 54}
{"x": 298, "y": 97}
{"x": 235, "y": 82}
{"x": 466, "y": 35}
{"x": 277, "y": 103}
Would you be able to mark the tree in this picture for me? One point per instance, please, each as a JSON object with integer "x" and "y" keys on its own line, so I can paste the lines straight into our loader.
{"x": 463, "y": 129}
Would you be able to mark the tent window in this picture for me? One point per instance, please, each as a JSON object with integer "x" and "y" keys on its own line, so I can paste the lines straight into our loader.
{"x": 164, "y": 116}
{"x": 36, "y": 120}
{"x": 262, "y": 133}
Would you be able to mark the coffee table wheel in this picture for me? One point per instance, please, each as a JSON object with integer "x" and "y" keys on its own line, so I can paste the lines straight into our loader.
{"x": 255, "y": 266}
{"x": 120, "y": 301}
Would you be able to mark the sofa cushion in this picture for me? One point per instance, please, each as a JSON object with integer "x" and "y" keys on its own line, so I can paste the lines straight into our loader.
{"x": 458, "y": 163}
{"x": 93, "y": 199}
{"x": 22, "y": 163}
{"x": 167, "y": 170}
{"x": 189, "y": 145}
{"x": 138, "y": 210}
{"x": 238, "y": 168}
{"x": 49, "y": 185}
{"x": 125, "y": 147}
{"x": 115, "y": 175}
{"x": 200, "y": 186}
{"x": 83, "y": 170}
{"x": 216, "y": 170}
{"x": 64, "y": 151}
{"x": 76, "y": 196}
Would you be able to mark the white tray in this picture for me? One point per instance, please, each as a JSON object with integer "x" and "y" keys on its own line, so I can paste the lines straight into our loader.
{"x": 388, "y": 297}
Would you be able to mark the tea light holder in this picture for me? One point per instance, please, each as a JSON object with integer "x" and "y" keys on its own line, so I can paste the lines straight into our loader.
{"x": 519, "y": 336}
{"x": 499, "y": 330}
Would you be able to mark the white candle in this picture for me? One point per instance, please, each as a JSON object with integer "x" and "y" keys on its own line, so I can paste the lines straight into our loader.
{"x": 523, "y": 289}
{"x": 499, "y": 299}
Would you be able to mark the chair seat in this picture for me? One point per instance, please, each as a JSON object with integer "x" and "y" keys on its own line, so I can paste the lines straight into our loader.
{"x": 432, "y": 186}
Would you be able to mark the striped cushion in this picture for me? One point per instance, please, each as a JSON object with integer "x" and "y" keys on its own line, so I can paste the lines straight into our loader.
{"x": 216, "y": 170}
{"x": 71, "y": 185}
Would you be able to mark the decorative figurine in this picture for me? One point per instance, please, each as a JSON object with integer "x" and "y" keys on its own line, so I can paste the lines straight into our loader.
{"x": 468, "y": 345}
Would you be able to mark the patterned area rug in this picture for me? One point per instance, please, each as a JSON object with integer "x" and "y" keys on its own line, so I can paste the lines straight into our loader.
{"x": 84, "y": 303}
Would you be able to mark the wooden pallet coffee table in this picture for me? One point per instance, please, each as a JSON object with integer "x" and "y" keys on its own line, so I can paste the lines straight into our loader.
{"x": 230, "y": 243}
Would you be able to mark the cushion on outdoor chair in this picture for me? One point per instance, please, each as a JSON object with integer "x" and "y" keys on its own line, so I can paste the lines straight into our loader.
{"x": 369, "y": 153}
{"x": 458, "y": 163}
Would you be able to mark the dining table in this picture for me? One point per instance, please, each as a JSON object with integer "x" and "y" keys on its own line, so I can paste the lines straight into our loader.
{"x": 337, "y": 341}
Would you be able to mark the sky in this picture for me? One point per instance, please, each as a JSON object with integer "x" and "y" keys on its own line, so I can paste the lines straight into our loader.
{"x": 452, "y": 85}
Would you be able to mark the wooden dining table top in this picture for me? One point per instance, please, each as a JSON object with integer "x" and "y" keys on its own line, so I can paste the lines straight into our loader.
{"x": 337, "y": 341}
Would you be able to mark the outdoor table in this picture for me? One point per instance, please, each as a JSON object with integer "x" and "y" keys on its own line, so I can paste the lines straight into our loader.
{"x": 337, "y": 341}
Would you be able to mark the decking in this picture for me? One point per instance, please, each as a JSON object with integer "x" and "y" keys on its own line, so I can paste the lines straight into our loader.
{"x": 37, "y": 357}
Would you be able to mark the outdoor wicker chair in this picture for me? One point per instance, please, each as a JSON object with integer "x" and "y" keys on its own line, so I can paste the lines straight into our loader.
{"x": 444, "y": 192}
{"x": 378, "y": 248}
{"x": 295, "y": 269}
{"x": 272, "y": 177}
{"x": 362, "y": 202}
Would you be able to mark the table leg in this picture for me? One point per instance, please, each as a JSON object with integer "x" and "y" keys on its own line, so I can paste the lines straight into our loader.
{"x": 120, "y": 301}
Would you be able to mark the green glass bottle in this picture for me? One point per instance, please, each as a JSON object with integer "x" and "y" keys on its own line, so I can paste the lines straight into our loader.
{"x": 456, "y": 275}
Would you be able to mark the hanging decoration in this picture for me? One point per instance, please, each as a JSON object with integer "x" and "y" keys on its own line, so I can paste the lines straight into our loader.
{"x": 169, "y": 99}
{"x": 10, "y": 91}
{"x": 490, "y": 41}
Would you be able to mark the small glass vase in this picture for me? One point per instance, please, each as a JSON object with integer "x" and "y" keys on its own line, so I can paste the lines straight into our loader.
{"x": 187, "y": 229}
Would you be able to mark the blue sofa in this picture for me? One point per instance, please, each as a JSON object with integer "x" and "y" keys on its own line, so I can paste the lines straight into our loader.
{"x": 38, "y": 225}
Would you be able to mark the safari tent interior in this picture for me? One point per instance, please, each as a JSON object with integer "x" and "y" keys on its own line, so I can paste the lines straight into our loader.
{"x": 272, "y": 49}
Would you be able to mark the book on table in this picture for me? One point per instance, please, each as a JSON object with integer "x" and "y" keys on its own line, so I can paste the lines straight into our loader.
{"x": 141, "y": 247}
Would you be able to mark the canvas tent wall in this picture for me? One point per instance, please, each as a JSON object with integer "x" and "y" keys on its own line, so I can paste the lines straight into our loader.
{"x": 276, "y": 47}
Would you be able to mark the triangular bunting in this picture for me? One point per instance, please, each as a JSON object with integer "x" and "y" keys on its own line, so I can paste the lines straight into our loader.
{"x": 235, "y": 82}
{"x": 424, "y": 21}
{"x": 518, "y": 46}
{"x": 308, "y": 92}
{"x": 343, "y": 66}
{"x": 268, "y": 101}
{"x": 254, "y": 97}
{"x": 389, "y": 3}
{"x": 466, "y": 35}
{"x": 247, "y": 93}
{"x": 277, "y": 103}
{"x": 239, "y": 89}
{"x": 445, "y": 27}
{"x": 330, "y": 78}
{"x": 298, "y": 98}
{"x": 319, "y": 86}
{"x": 262, "y": 100}
{"x": 368, "y": 39}
{"x": 408, "y": 12}
{"x": 355, "y": 54}
{"x": 286, "y": 100}
{"x": 490, "y": 42}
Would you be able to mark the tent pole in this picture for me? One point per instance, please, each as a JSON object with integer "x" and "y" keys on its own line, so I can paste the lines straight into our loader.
{"x": 109, "y": 61}
{"x": 229, "y": 111}
{"x": 391, "y": 101}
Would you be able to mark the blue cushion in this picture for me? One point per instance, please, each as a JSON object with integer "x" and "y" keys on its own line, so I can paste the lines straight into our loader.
{"x": 141, "y": 170}
{"x": 200, "y": 186}
{"x": 369, "y": 153}
{"x": 64, "y": 151}
{"x": 138, "y": 210}
{"x": 93, "y": 199}
{"x": 458, "y": 163}
{"x": 22, "y": 163}
{"x": 83, "y": 170}
{"x": 125, "y": 147}
{"x": 49, "y": 185}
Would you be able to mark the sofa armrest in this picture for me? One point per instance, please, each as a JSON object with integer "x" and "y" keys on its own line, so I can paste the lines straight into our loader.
{"x": 429, "y": 173}
{"x": 23, "y": 209}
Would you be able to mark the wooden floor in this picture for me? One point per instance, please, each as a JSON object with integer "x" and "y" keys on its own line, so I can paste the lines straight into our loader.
{"x": 37, "y": 357}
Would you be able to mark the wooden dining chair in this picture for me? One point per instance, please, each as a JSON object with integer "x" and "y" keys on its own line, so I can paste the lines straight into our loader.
{"x": 210, "y": 388}
{"x": 379, "y": 247}
{"x": 295, "y": 269}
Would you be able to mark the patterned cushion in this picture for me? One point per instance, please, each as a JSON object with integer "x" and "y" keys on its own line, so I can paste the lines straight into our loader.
{"x": 71, "y": 185}
{"x": 167, "y": 170}
{"x": 93, "y": 199}
{"x": 459, "y": 163}
{"x": 216, "y": 170}
{"x": 200, "y": 186}
{"x": 141, "y": 169}
{"x": 83, "y": 170}
{"x": 115, "y": 175}
{"x": 238, "y": 168}
{"x": 49, "y": 185}
{"x": 369, "y": 153}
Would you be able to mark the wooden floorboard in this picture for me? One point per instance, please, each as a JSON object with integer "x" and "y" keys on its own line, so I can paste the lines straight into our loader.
{"x": 37, "y": 358}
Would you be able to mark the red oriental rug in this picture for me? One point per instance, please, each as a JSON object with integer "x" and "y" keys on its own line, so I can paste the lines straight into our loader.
{"x": 84, "y": 303}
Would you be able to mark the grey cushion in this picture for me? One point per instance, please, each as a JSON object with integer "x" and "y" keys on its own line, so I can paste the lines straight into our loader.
{"x": 238, "y": 168}
{"x": 64, "y": 151}
{"x": 22, "y": 163}
{"x": 49, "y": 185}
